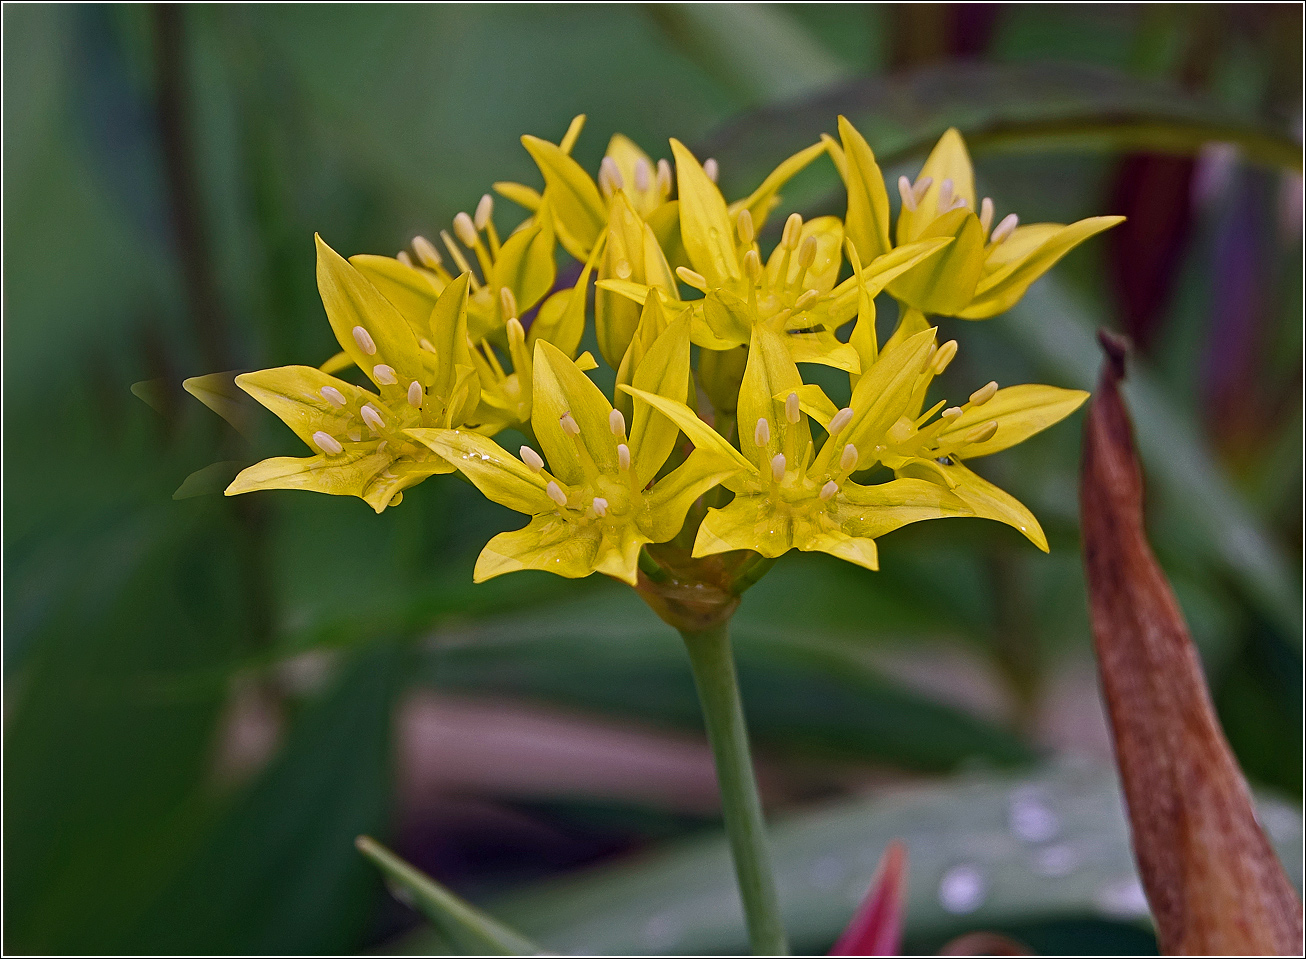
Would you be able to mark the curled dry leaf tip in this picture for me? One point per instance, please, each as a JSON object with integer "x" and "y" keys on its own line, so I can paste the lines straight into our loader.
{"x": 1212, "y": 879}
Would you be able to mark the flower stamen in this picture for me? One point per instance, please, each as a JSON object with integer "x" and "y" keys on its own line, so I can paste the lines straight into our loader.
{"x": 327, "y": 443}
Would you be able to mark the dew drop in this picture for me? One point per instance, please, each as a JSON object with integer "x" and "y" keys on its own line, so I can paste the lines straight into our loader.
{"x": 963, "y": 889}
{"x": 1030, "y": 820}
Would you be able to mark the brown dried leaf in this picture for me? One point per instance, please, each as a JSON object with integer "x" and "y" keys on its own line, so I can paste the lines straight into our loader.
{"x": 1211, "y": 877}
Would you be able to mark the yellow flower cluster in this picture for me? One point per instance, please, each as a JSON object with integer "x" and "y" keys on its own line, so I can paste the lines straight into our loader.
{"x": 771, "y": 461}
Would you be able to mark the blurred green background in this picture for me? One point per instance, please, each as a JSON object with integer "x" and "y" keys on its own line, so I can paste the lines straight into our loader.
{"x": 207, "y": 699}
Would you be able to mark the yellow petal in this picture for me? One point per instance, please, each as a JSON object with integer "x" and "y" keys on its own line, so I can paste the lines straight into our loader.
{"x": 814, "y": 402}
{"x": 653, "y": 320}
{"x": 664, "y": 371}
{"x": 448, "y": 332}
{"x": 878, "y": 274}
{"x": 520, "y": 194}
{"x": 361, "y": 317}
{"x": 699, "y": 433}
{"x": 572, "y": 195}
{"x": 671, "y": 497}
{"x": 764, "y": 199}
{"x": 618, "y": 552}
{"x": 494, "y": 471}
{"x": 526, "y": 264}
{"x": 770, "y": 372}
{"x": 749, "y": 521}
{"x": 561, "y": 388}
{"x": 410, "y": 289}
{"x": 868, "y": 202}
{"x": 824, "y": 348}
{"x": 561, "y": 320}
{"x": 872, "y": 511}
{"x": 881, "y": 396}
{"x": 338, "y": 362}
{"x": 628, "y": 157}
{"x": 984, "y": 499}
{"x": 294, "y": 394}
{"x": 705, "y": 226}
{"x": 947, "y": 161}
{"x": 385, "y": 488}
{"x": 1000, "y": 290}
{"x": 347, "y": 474}
{"x": 944, "y": 284}
{"x": 859, "y": 551}
{"x": 863, "y": 338}
{"x": 728, "y": 318}
{"x": 548, "y": 542}
{"x": 828, "y": 231}
{"x": 632, "y": 254}
{"x": 1020, "y": 412}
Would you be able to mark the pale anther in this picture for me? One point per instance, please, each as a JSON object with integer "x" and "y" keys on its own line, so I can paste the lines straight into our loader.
{"x": 327, "y": 443}
{"x": 403, "y": 257}
{"x": 744, "y": 223}
{"x": 426, "y": 252}
{"x": 828, "y": 490}
{"x": 532, "y": 459}
{"x": 848, "y": 459}
{"x": 569, "y": 424}
{"x": 840, "y": 420}
{"x": 623, "y": 269}
{"x": 942, "y": 358}
{"x": 333, "y": 396}
{"x": 986, "y": 215}
{"x": 945, "y": 196}
{"x": 372, "y": 418}
{"x": 465, "y": 230}
{"x": 484, "y": 210}
{"x": 793, "y": 231}
{"x": 807, "y": 254}
{"x": 793, "y": 408}
{"x": 614, "y": 173}
{"x": 617, "y": 423}
{"x": 555, "y": 493}
{"x": 982, "y": 433}
{"x": 761, "y": 433}
{"x": 952, "y": 412}
{"x": 385, "y": 375}
{"x": 984, "y": 394}
{"x": 923, "y": 184}
{"x": 806, "y": 300}
{"x": 364, "y": 341}
{"x": 516, "y": 333}
{"x": 691, "y": 278}
{"x": 507, "y": 302}
{"x": 907, "y": 193}
{"x": 623, "y": 456}
{"x": 382, "y": 445}
{"x": 1005, "y": 228}
{"x": 600, "y": 506}
{"x": 426, "y": 344}
{"x": 664, "y": 177}
{"x": 778, "y": 467}
{"x": 753, "y": 265}
{"x": 643, "y": 175}
{"x": 711, "y": 168}
{"x": 415, "y": 394}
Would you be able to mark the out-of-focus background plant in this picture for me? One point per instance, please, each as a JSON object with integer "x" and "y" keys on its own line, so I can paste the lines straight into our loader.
{"x": 206, "y": 699}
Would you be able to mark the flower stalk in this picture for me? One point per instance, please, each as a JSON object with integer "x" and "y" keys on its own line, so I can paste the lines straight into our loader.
{"x": 713, "y": 663}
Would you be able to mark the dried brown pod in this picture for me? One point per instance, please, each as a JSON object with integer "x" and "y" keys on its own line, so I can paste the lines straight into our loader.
{"x": 1212, "y": 879}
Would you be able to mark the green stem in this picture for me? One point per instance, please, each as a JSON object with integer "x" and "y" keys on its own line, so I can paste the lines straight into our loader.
{"x": 713, "y": 663}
